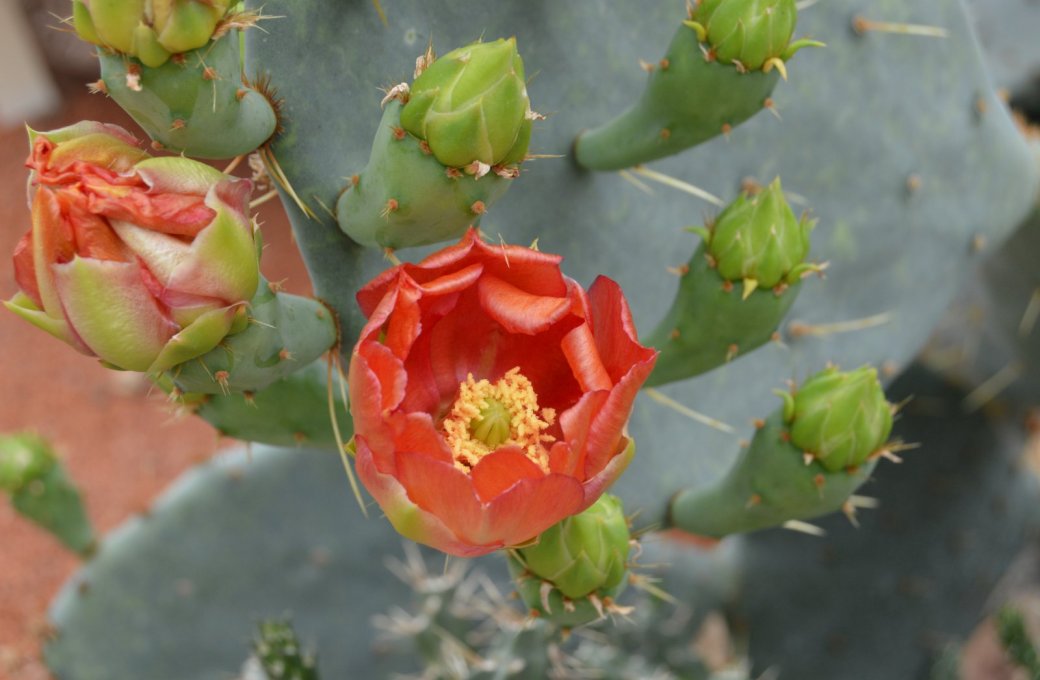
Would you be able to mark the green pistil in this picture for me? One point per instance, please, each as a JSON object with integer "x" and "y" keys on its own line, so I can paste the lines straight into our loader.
{"x": 492, "y": 425}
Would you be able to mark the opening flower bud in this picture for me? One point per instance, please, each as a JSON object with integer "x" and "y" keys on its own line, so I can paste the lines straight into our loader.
{"x": 758, "y": 239}
{"x": 841, "y": 418}
{"x": 748, "y": 33}
{"x": 471, "y": 105}
{"x": 142, "y": 262}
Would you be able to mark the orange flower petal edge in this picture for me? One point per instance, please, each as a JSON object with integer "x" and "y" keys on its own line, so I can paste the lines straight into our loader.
{"x": 490, "y": 394}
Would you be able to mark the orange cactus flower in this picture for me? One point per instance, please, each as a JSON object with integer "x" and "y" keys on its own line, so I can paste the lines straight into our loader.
{"x": 490, "y": 394}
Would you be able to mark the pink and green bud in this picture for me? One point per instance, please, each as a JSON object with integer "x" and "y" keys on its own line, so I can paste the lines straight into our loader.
{"x": 24, "y": 458}
{"x": 471, "y": 105}
{"x": 150, "y": 30}
{"x": 840, "y": 419}
{"x": 758, "y": 240}
{"x": 143, "y": 262}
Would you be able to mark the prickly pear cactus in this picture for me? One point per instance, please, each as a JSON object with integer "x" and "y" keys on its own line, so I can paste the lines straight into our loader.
{"x": 890, "y": 140}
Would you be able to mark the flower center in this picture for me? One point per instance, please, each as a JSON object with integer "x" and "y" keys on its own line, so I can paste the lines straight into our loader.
{"x": 488, "y": 415}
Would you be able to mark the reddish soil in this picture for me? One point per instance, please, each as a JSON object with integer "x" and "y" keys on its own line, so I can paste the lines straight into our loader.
{"x": 120, "y": 443}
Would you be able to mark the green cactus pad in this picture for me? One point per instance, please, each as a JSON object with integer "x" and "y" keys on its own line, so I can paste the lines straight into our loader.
{"x": 711, "y": 322}
{"x": 42, "y": 492}
{"x": 688, "y": 100}
{"x": 284, "y": 334}
{"x": 405, "y": 197}
{"x": 769, "y": 484}
{"x": 292, "y": 411}
{"x": 197, "y": 104}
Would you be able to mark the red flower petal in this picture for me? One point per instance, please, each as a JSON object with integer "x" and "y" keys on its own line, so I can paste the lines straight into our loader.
{"x": 611, "y": 418}
{"x": 531, "y": 506}
{"x": 576, "y": 423}
{"x": 615, "y": 332}
{"x": 579, "y": 346}
{"x": 441, "y": 489}
{"x": 415, "y": 432}
{"x": 498, "y": 471}
{"x": 410, "y": 520}
{"x": 518, "y": 311}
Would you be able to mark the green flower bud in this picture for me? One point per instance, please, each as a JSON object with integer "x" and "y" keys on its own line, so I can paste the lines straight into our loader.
{"x": 24, "y": 458}
{"x": 471, "y": 105}
{"x": 758, "y": 240}
{"x": 584, "y": 553}
{"x": 150, "y": 30}
{"x": 840, "y": 418}
{"x": 748, "y": 32}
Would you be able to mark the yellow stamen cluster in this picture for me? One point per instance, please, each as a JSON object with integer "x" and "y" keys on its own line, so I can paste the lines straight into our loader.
{"x": 478, "y": 401}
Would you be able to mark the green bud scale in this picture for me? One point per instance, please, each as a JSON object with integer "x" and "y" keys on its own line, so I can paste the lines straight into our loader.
{"x": 757, "y": 240}
{"x": 746, "y": 33}
{"x": 471, "y": 105}
{"x": 150, "y": 30}
{"x": 841, "y": 419}
{"x": 577, "y": 566}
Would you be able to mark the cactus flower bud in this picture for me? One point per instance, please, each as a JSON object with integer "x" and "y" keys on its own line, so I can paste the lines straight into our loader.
{"x": 471, "y": 105}
{"x": 748, "y": 33}
{"x": 840, "y": 418}
{"x": 576, "y": 569}
{"x": 143, "y": 262}
{"x": 150, "y": 30}
{"x": 757, "y": 239}
{"x": 583, "y": 553}
{"x": 23, "y": 459}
